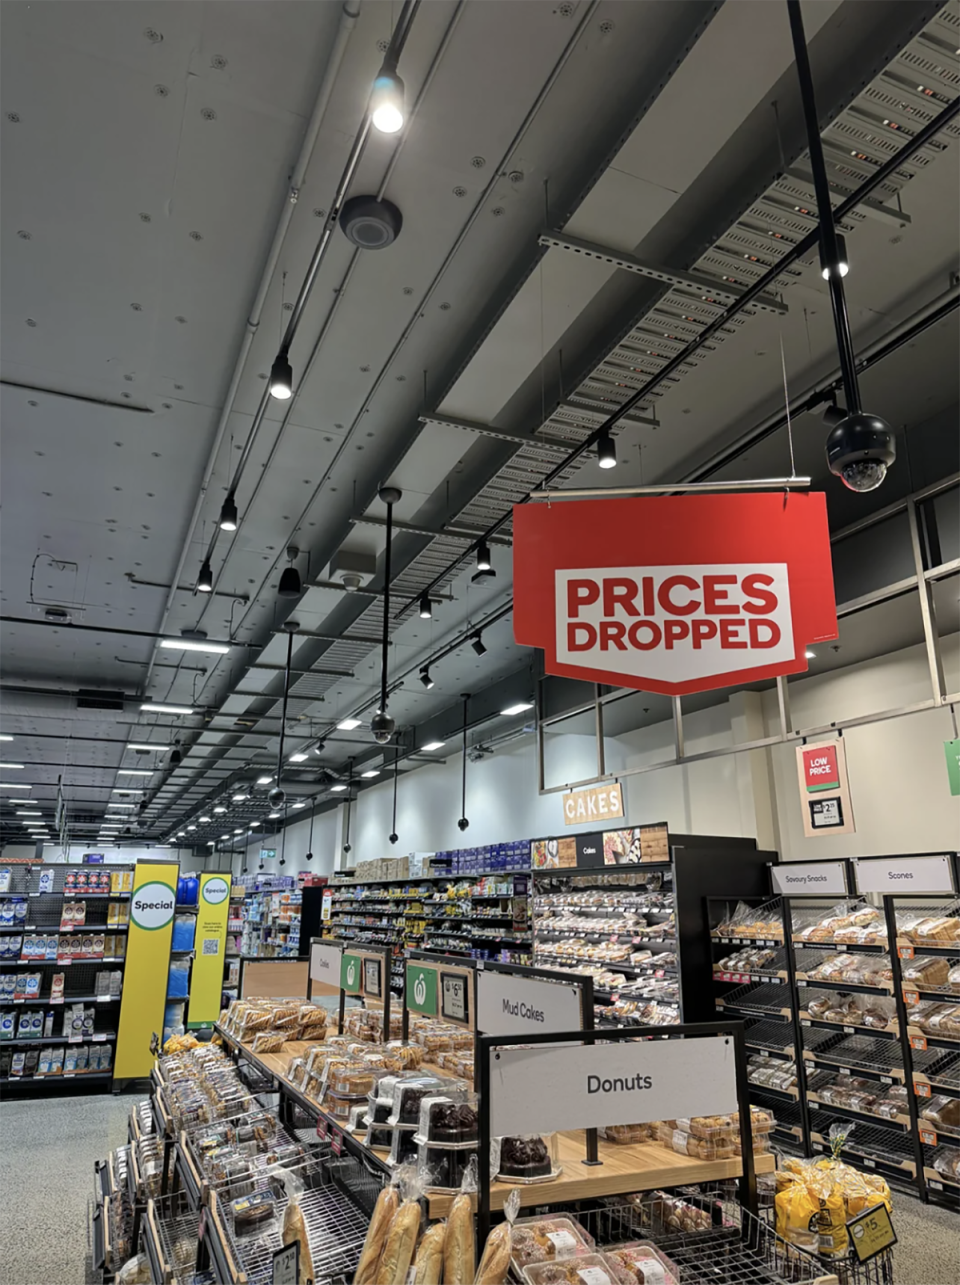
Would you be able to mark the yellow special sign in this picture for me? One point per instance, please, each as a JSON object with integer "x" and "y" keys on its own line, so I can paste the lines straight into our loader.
{"x": 206, "y": 979}
{"x": 152, "y": 905}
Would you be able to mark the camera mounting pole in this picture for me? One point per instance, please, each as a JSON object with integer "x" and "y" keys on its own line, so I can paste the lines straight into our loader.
{"x": 382, "y": 725}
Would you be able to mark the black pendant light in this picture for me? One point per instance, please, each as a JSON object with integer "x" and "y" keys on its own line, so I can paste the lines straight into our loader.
{"x": 229, "y": 518}
{"x": 346, "y": 837}
{"x": 861, "y": 447}
{"x": 290, "y": 586}
{"x": 382, "y": 725}
{"x": 309, "y": 855}
{"x": 278, "y": 796}
{"x": 396, "y": 772}
{"x": 205, "y": 578}
{"x": 463, "y": 823}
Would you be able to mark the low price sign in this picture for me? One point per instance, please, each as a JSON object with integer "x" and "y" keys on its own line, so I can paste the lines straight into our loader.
{"x": 674, "y": 594}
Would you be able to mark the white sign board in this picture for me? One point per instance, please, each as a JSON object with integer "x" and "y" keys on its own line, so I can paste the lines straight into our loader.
{"x": 509, "y": 1005}
{"x": 827, "y": 877}
{"x": 904, "y": 874}
{"x": 325, "y": 964}
{"x": 585, "y": 1086}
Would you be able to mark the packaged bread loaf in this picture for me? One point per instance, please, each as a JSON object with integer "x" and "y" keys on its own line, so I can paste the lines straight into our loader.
{"x": 295, "y": 1229}
{"x": 495, "y": 1260}
{"x": 384, "y": 1211}
{"x": 459, "y": 1255}
{"x": 399, "y": 1246}
{"x": 927, "y": 970}
{"x": 428, "y": 1264}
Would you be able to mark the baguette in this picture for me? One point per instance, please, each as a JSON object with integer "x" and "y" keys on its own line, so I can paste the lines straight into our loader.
{"x": 496, "y": 1257}
{"x": 400, "y": 1244}
{"x": 459, "y": 1257}
{"x": 295, "y": 1229}
{"x": 428, "y": 1264}
{"x": 384, "y": 1212}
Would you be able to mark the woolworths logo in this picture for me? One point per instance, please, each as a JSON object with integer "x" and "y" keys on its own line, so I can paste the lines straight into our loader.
{"x": 420, "y": 989}
{"x": 216, "y": 891}
{"x": 152, "y": 906}
{"x": 351, "y": 974}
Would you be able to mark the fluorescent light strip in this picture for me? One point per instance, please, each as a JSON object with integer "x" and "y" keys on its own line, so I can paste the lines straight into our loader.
{"x": 119, "y": 805}
{"x": 18, "y": 767}
{"x": 6, "y": 738}
{"x": 191, "y": 644}
{"x": 348, "y": 725}
{"x": 165, "y": 709}
{"x": 158, "y": 748}
{"x": 374, "y": 771}
{"x": 132, "y": 771}
{"x": 336, "y": 789}
{"x": 298, "y": 758}
{"x": 30, "y": 814}
{"x": 520, "y": 708}
{"x": 433, "y": 745}
{"x": 9, "y": 785}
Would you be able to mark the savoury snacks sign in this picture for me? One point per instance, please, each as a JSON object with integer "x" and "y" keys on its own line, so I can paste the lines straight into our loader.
{"x": 554, "y": 1088}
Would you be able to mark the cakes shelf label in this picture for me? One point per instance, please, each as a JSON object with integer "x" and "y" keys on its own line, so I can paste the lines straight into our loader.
{"x": 512, "y": 1005}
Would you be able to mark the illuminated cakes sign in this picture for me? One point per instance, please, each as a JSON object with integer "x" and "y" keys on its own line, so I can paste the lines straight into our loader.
{"x": 674, "y": 594}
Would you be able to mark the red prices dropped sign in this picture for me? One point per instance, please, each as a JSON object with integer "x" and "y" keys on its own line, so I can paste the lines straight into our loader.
{"x": 674, "y": 594}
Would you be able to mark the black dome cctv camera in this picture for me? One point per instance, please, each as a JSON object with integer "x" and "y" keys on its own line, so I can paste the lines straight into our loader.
{"x": 394, "y": 838}
{"x": 860, "y": 449}
{"x": 346, "y": 847}
{"x": 276, "y": 797}
{"x": 382, "y": 726}
{"x": 462, "y": 823}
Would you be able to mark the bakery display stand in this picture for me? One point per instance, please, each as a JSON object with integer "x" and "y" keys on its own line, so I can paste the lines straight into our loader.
{"x": 63, "y": 938}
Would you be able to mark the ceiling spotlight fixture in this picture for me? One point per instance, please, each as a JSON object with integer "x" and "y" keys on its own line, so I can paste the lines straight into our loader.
{"x": 229, "y": 518}
{"x": 319, "y": 747}
{"x": 204, "y": 820}
{"x": 606, "y": 451}
{"x": 833, "y": 415}
{"x": 478, "y": 646}
{"x": 426, "y": 679}
{"x": 520, "y": 708}
{"x": 264, "y": 780}
{"x": 191, "y": 827}
{"x": 254, "y": 824}
{"x": 387, "y": 99}
{"x": 281, "y": 377}
{"x": 337, "y": 789}
{"x": 367, "y": 776}
{"x": 152, "y": 708}
{"x": 433, "y": 745}
{"x": 299, "y": 805}
{"x": 205, "y": 578}
{"x": 235, "y": 831}
{"x": 426, "y": 610}
{"x": 211, "y": 843}
{"x": 290, "y": 585}
{"x": 298, "y": 758}
{"x": 240, "y": 798}
{"x": 273, "y": 816}
{"x": 176, "y": 754}
{"x": 348, "y": 724}
{"x": 839, "y": 266}
{"x": 483, "y": 556}
{"x": 220, "y": 809}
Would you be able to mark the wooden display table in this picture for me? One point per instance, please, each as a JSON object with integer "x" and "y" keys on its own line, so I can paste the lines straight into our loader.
{"x": 623, "y": 1169}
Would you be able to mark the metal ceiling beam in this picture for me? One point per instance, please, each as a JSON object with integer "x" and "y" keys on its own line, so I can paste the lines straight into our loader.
{"x": 555, "y": 444}
{"x": 656, "y": 272}
{"x": 449, "y": 532}
{"x": 885, "y": 213}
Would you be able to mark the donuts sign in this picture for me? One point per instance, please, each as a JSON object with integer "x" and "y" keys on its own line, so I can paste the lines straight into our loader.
{"x": 674, "y": 594}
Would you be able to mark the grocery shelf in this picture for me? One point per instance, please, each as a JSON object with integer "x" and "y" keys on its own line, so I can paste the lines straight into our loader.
{"x": 769, "y": 942}
{"x": 775, "y": 1038}
{"x": 890, "y": 1032}
{"x": 880, "y": 1060}
{"x": 939, "y": 1073}
{"x": 868, "y": 1146}
{"x": 921, "y": 1040}
{"x": 822, "y": 1079}
{"x": 768, "y": 998}
{"x": 38, "y": 1041}
{"x": 854, "y": 948}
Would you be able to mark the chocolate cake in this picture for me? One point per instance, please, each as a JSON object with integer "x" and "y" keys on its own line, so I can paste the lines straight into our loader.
{"x": 452, "y": 1123}
{"x": 524, "y": 1158}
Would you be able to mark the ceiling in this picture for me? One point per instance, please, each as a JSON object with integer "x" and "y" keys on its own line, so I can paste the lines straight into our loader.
{"x": 168, "y": 170}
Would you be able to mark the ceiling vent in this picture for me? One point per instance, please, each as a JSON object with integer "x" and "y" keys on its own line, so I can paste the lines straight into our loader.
{"x": 99, "y": 700}
{"x": 352, "y": 568}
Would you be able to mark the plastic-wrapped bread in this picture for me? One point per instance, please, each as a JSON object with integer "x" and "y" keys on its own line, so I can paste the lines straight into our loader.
{"x": 459, "y": 1255}
{"x": 399, "y": 1246}
{"x": 428, "y": 1264}
{"x": 295, "y": 1229}
{"x": 384, "y": 1212}
{"x": 496, "y": 1257}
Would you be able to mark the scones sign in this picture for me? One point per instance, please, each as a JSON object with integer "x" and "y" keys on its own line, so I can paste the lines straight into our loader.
{"x": 674, "y": 594}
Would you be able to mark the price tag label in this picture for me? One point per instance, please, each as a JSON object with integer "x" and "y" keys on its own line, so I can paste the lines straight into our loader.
{"x": 74, "y": 1039}
{"x": 918, "y": 1042}
{"x": 886, "y": 1079}
{"x": 336, "y": 1141}
{"x": 322, "y": 1127}
{"x": 286, "y": 1264}
{"x": 814, "y": 1106}
{"x": 849, "y": 1030}
{"x": 911, "y": 997}
{"x": 937, "y": 1186}
{"x": 51, "y": 1000}
{"x": 905, "y": 952}
{"x": 774, "y": 981}
{"x": 841, "y": 946}
{"x": 818, "y": 1146}
{"x": 844, "y": 1070}
{"x": 869, "y": 1164}
{"x": 928, "y": 1137}
{"x": 809, "y": 1068}
{"x": 99, "y": 1039}
{"x": 805, "y": 1021}
{"x": 871, "y": 1233}
{"x": 920, "y": 1089}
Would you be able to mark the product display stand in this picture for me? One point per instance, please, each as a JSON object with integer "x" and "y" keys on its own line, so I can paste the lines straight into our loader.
{"x": 63, "y": 939}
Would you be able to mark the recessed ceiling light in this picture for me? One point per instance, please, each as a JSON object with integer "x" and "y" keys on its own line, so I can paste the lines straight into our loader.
{"x": 348, "y": 725}
{"x": 224, "y": 836}
{"x": 16, "y": 766}
{"x": 239, "y": 798}
{"x": 519, "y": 708}
{"x": 273, "y": 816}
{"x": 159, "y": 748}
{"x": 299, "y": 805}
{"x": 238, "y": 832}
{"x": 132, "y": 771}
{"x": 374, "y": 771}
{"x": 336, "y": 789}
{"x": 264, "y": 780}
{"x": 254, "y": 824}
{"x": 195, "y": 644}
{"x": 433, "y": 745}
{"x": 181, "y": 834}
{"x": 211, "y": 843}
{"x": 204, "y": 820}
{"x": 220, "y": 809}
{"x": 298, "y": 758}
{"x": 191, "y": 827}
{"x": 119, "y": 805}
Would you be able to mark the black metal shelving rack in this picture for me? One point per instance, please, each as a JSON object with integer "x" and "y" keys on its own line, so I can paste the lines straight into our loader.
{"x": 43, "y": 916}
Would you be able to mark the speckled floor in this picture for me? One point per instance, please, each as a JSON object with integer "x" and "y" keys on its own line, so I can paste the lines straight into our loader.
{"x": 47, "y": 1150}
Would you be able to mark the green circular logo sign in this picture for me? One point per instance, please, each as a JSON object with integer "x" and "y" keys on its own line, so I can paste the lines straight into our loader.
{"x": 351, "y": 974}
{"x": 152, "y": 906}
{"x": 420, "y": 989}
{"x": 215, "y": 891}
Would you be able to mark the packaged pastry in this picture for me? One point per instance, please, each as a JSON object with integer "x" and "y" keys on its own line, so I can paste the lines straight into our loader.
{"x": 540, "y": 1240}
{"x": 629, "y": 1134}
{"x": 642, "y": 1264}
{"x": 442, "y": 1168}
{"x": 527, "y": 1158}
{"x": 937, "y": 931}
{"x": 268, "y": 1042}
{"x": 384, "y": 1211}
{"x": 400, "y": 1242}
{"x": 943, "y": 1113}
{"x": 403, "y": 1147}
{"x": 408, "y": 1094}
{"x": 926, "y": 971}
{"x": 590, "y": 1269}
{"x": 351, "y": 1079}
{"x": 253, "y": 1210}
{"x": 447, "y": 1122}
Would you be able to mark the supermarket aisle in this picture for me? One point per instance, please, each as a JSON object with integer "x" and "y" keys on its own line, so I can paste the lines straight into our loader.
{"x": 46, "y": 1173}
{"x": 928, "y": 1250}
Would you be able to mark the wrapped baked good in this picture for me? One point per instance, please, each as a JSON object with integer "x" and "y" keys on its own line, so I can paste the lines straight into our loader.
{"x": 268, "y": 1042}
{"x": 926, "y": 971}
{"x": 540, "y": 1240}
{"x": 641, "y": 1263}
{"x": 388, "y": 1202}
{"x": 947, "y": 1161}
{"x": 399, "y": 1245}
{"x": 444, "y": 1121}
{"x": 428, "y": 1264}
{"x": 628, "y": 1134}
{"x": 940, "y": 930}
{"x": 294, "y": 1229}
{"x": 943, "y": 1113}
{"x": 459, "y": 1252}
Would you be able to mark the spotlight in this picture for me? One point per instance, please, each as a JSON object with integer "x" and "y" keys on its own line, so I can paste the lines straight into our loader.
{"x": 228, "y": 514}
{"x": 205, "y": 578}
{"x": 393, "y": 837}
{"x": 463, "y": 823}
{"x": 478, "y": 646}
{"x": 606, "y": 451}
{"x": 483, "y": 556}
{"x": 860, "y": 450}
{"x": 426, "y": 611}
{"x": 290, "y": 586}
{"x": 175, "y": 755}
{"x": 281, "y": 377}
{"x": 842, "y": 265}
{"x": 319, "y": 747}
{"x": 426, "y": 679}
{"x": 386, "y": 101}
{"x": 833, "y": 415}
{"x": 308, "y": 856}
